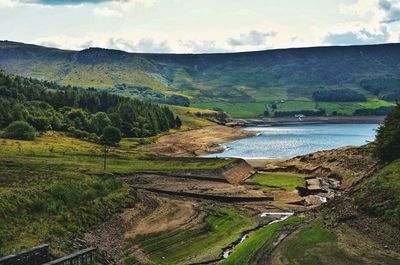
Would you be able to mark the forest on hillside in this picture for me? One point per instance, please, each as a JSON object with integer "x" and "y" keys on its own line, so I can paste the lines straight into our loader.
{"x": 84, "y": 113}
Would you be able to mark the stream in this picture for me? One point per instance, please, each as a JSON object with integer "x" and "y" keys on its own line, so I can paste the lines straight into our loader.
{"x": 284, "y": 215}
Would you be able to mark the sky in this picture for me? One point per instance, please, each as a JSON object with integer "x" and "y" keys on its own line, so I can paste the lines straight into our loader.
{"x": 199, "y": 26}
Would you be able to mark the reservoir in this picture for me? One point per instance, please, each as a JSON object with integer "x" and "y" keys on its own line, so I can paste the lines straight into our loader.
{"x": 293, "y": 140}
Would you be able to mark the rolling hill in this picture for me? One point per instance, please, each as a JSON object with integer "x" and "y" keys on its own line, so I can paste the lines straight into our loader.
{"x": 338, "y": 80}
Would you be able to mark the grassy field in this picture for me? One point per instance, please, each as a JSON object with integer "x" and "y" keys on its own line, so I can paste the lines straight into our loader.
{"x": 278, "y": 181}
{"x": 200, "y": 243}
{"x": 236, "y": 110}
{"x": 256, "y": 109}
{"x": 189, "y": 118}
{"x": 257, "y": 240}
{"x": 50, "y": 190}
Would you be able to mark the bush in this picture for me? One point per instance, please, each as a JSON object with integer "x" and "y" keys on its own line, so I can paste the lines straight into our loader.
{"x": 19, "y": 130}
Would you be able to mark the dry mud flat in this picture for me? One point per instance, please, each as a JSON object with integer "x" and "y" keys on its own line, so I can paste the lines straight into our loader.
{"x": 347, "y": 164}
{"x": 196, "y": 142}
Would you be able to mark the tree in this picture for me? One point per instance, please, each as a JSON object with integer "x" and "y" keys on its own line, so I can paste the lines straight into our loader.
{"x": 99, "y": 121}
{"x": 111, "y": 135}
{"x": 20, "y": 130}
{"x": 40, "y": 123}
{"x": 178, "y": 122}
{"x": 387, "y": 142}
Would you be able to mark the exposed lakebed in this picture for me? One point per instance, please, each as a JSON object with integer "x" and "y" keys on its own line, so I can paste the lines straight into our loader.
{"x": 294, "y": 140}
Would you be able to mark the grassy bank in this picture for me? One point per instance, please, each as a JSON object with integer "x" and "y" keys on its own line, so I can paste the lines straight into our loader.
{"x": 257, "y": 240}
{"x": 310, "y": 244}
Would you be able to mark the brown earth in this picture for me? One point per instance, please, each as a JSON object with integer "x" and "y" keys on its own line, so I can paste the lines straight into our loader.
{"x": 349, "y": 164}
{"x": 196, "y": 142}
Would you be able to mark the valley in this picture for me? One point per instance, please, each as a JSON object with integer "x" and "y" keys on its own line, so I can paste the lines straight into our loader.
{"x": 334, "y": 81}
{"x": 142, "y": 183}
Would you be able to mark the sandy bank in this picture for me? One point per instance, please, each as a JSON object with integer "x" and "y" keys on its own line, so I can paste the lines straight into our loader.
{"x": 196, "y": 142}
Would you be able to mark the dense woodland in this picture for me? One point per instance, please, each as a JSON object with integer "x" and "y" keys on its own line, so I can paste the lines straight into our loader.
{"x": 338, "y": 95}
{"x": 85, "y": 113}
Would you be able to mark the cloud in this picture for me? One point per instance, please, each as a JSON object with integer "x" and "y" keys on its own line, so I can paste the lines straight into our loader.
{"x": 71, "y": 2}
{"x": 252, "y": 38}
{"x": 358, "y": 36}
{"x": 391, "y": 9}
{"x": 202, "y": 46}
{"x": 106, "y": 12}
{"x": 146, "y": 45}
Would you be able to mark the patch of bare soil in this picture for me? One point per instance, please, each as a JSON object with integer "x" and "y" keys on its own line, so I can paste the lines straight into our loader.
{"x": 181, "y": 184}
{"x": 196, "y": 142}
{"x": 151, "y": 214}
{"x": 349, "y": 164}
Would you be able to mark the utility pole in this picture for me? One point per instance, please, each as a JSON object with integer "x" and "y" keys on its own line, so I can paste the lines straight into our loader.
{"x": 105, "y": 156}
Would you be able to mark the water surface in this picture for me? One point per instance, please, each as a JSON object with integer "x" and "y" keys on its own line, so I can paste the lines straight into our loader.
{"x": 293, "y": 140}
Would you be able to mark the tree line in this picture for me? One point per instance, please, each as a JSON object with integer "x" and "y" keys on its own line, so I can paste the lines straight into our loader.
{"x": 49, "y": 106}
{"x": 338, "y": 95}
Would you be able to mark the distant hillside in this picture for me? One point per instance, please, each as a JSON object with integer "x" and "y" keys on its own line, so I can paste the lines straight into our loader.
{"x": 343, "y": 80}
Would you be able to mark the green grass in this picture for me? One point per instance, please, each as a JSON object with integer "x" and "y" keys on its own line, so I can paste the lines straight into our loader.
{"x": 374, "y": 104}
{"x": 59, "y": 151}
{"x": 346, "y": 108}
{"x": 379, "y": 195}
{"x": 256, "y": 241}
{"x": 201, "y": 243}
{"x": 39, "y": 205}
{"x": 278, "y": 181}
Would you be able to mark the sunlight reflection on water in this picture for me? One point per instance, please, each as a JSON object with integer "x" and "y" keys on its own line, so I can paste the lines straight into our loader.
{"x": 294, "y": 140}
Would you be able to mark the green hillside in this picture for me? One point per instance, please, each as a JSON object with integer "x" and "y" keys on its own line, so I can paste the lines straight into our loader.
{"x": 343, "y": 80}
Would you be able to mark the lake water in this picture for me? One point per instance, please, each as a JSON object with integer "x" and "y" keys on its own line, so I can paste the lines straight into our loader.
{"x": 294, "y": 140}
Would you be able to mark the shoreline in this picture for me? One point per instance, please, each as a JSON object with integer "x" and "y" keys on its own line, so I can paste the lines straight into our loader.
{"x": 305, "y": 121}
{"x": 210, "y": 140}
{"x": 197, "y": 142}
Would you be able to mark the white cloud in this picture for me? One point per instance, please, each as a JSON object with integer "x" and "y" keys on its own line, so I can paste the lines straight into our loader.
{"x": 252, "y": 38}
{"x": 7, "y": 3}
{"x": 357, "y": 35}
{"x": 359, "y": 8}
{"x": 106, "y": 12}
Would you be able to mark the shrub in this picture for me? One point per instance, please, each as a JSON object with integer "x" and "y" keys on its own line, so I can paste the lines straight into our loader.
{"x": 388, "y": 137}
{"x": 19, "y": 130}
